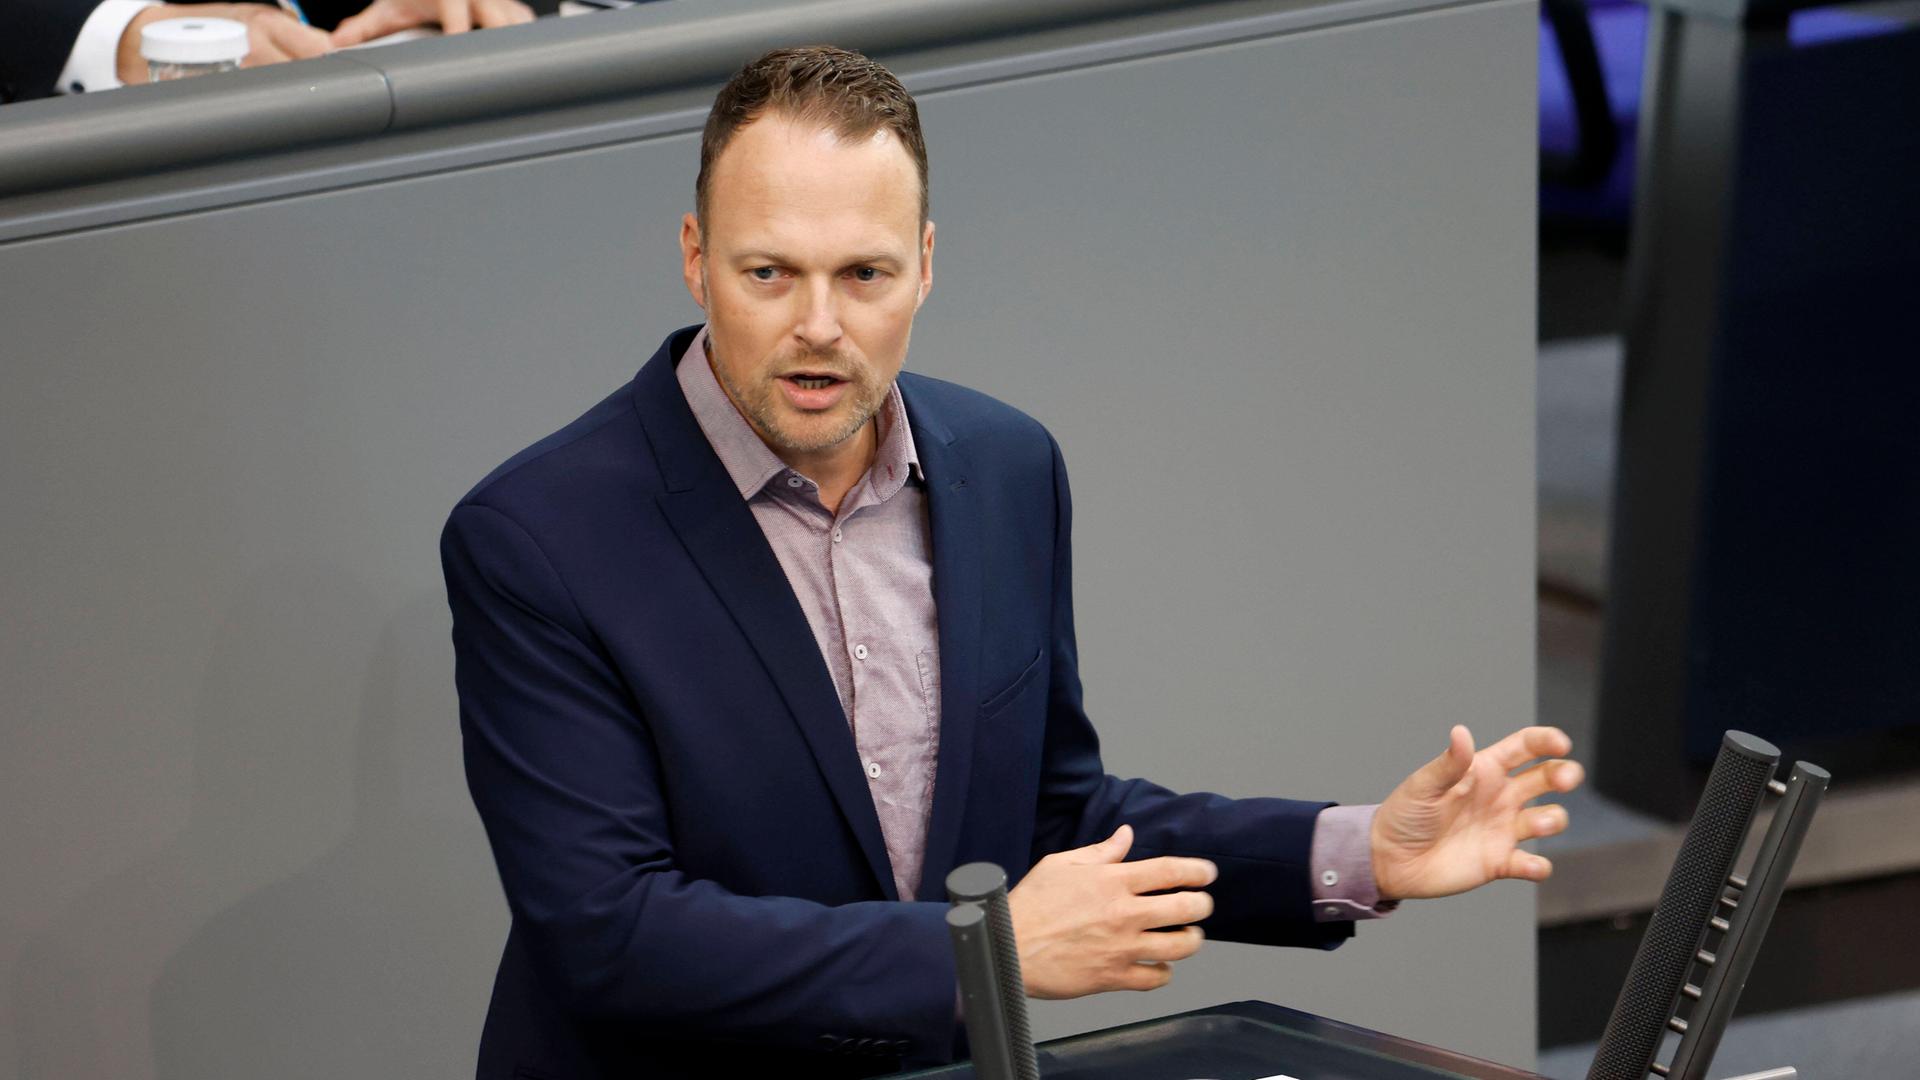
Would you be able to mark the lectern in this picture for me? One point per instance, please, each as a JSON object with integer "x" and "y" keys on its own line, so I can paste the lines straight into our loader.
{"x": 1248, "y": 1040}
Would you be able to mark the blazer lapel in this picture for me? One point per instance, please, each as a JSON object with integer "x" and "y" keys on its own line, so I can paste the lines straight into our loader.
{"x": 958, "y": 536}
{"x": 705, "y": 510}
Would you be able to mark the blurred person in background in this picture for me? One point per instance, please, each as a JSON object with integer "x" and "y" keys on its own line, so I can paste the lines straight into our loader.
{"x": 75, "y": 46}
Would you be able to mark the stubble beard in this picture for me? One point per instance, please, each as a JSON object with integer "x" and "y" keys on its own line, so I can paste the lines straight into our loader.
{"x": 767, "y": 412}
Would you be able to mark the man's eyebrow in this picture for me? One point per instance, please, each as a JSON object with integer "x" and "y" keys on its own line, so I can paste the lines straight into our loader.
{"x": 758, "y": 257}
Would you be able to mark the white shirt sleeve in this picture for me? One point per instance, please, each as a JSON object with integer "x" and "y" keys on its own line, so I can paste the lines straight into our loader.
{"x": 93, "y": 64}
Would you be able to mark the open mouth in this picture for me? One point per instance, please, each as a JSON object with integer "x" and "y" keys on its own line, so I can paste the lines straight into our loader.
{"x": 814, "y": 391}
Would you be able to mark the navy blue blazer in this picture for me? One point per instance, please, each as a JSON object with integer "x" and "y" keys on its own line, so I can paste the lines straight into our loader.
{"x": 691, "y": 857}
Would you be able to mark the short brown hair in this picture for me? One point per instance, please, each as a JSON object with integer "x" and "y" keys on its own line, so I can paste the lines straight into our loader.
{"x": 840, "y": 89}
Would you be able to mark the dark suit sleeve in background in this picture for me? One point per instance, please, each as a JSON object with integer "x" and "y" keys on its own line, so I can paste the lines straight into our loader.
{"x": 563, "y": 771}
{"x": 36, "y": 37}
{"x": 328, "y": 14}
{"x": 1262, "y": 846}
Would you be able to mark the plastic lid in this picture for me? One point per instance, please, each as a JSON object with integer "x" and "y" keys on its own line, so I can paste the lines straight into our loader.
{"x": 194, "y": 41}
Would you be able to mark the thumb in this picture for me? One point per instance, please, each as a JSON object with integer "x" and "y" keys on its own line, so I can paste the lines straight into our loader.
{"x": 1111, "y": 850}
{"x": 1436, "y": 777}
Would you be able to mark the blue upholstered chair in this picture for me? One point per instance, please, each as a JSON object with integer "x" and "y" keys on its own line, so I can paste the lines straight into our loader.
{"x": 1592, "y": 56}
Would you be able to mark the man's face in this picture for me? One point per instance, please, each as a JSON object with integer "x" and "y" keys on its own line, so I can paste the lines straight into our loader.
{"x": 812, "y": 263}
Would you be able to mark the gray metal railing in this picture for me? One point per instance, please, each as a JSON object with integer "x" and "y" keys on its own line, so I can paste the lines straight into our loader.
{"x": 445, "y": 81}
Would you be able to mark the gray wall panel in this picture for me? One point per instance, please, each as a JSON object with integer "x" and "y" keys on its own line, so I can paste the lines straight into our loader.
{"x": 1285, "y": 350}
{"x": 1274, "y": 298}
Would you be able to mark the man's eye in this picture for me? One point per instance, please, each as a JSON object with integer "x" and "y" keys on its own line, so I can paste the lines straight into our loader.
{"x": 764, "y": 273}
{"x": 866, "y": 273}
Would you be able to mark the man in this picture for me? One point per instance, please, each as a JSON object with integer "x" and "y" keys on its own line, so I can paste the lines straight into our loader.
{"x": 78, "y": 46}
{"x": 757, "y": 650}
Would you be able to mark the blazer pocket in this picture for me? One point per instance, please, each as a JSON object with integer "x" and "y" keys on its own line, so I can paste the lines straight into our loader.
{"x": 1001, "y": 699}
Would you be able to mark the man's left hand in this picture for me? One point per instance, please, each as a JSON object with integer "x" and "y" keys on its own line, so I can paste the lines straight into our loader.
{"x": 383, "y": 17}
{"x": 1456, "y": 823}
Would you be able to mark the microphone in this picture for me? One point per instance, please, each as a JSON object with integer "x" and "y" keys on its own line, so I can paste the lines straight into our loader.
{"x": 1740, "y": 941}
{"x": 1701, "y": 872}
{"x": 980, "y": 993}
{"x": 988, "y": 961}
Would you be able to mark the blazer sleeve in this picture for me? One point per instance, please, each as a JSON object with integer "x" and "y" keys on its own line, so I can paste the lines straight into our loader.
{"x": 1262, "y": 846}
{"x": 561, "y": 767}
{"x": 329, "y": 14}
{"x": 36, "y": 37}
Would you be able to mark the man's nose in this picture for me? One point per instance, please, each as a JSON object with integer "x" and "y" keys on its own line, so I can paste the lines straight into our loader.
{"x": 818, "y": 323}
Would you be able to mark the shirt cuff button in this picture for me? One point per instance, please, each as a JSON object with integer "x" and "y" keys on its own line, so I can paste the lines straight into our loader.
{"x": 1330, "y": 878}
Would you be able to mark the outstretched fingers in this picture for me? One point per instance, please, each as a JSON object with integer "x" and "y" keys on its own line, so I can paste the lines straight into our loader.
{"x": 1082, "y": 918}
{"x": 1528, "y": 743}
{"x": 1166, "y": 946}
{"x": 1171, "y": 909}
{"x": 1168, "y": 872}
{"x": 1538, "y": 821}
{"x": 1144, "y": 976}
{"x": 1530, "y": 783}
{"x": 1527, "y": 866}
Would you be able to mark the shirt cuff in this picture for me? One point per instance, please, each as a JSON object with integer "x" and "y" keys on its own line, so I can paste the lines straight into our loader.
{"x": 1342, "y": 866}
{"x": 95, "y": 60}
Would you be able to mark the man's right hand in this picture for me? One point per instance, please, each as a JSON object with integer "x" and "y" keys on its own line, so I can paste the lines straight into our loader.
{"x": 272, "y": 35}
{"x": 1083, "y": 926}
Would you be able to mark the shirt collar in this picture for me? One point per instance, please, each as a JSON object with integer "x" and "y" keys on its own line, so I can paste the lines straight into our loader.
{"x": 751, "y": 464}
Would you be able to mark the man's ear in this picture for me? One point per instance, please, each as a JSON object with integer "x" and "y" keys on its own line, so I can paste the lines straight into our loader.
{"x": 926, "y": 266}
{"x": 693, "y": 259}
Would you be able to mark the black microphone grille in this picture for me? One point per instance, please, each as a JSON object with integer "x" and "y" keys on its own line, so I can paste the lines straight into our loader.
{"x": 1679, "y": 924}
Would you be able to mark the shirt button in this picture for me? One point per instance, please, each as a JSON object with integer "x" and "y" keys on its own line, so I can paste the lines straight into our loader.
{"x": 873, "y": 769}
{"x": 794, "y": 481}
{"x": 859, "y": 652}
{"x": 1331, "y": 910}
{"x": 836, "y": 536}
{"x": 1330, "y": 878}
